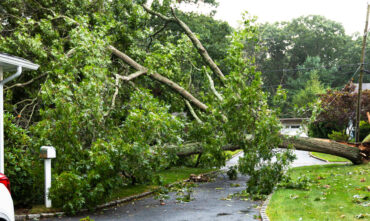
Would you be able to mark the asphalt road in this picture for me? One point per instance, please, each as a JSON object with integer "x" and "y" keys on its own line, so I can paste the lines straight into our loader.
{"x": 208, "y": 203}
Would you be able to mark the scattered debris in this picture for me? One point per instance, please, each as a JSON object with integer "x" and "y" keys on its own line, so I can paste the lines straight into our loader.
{"x": 199, "y": 178}
{"x": 223, "y": 214}
{"x": 233, "y": 172}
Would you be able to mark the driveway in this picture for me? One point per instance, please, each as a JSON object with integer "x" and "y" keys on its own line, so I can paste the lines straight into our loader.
{"x": 209, "y": 202}
{"x": 304, "y": 159}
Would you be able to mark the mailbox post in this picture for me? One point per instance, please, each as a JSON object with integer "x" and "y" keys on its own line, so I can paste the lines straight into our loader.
{"x": 47, "y": 153}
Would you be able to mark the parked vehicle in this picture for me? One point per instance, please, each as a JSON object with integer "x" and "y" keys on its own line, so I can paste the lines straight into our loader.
{"x": 6, "y": 201}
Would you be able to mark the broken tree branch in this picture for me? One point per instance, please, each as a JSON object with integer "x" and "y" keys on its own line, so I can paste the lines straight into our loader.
{"x": 25, "y": 83}
{"x": 197, "y": 44}
{"x": 115, "y": 92}
{"x": 157, "y": 14}
{"x": 156, "y": 33}
{"x": 180, "y": 90}
{"x": 131, "y": 76}
{"x": 159, "y": 78}
{"x": 30, "y": 117}
{"x": 126, "y": 59}
{"x": 193, "y": 112}
{"x": 212, "y": 84}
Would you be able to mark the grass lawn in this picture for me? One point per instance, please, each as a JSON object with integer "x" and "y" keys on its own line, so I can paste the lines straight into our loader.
{"x": 230, "y": 154}
{"x": 329, "y": 158}
{"x": 337, "y": 192}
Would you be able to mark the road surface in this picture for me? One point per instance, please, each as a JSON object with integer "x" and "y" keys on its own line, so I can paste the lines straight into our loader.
{"x": 209, "y": 202}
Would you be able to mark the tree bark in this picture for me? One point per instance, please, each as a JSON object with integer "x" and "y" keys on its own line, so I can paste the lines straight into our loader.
{"x": 180, "y": 90}
{"x": 324, "y": 146}
{"x": 132, "y": 76}
{"x": 192, "y": 112}
{"x": 307, "y": 144}
{"x": 213, "y": 89}
{"x": 198, "y": 45}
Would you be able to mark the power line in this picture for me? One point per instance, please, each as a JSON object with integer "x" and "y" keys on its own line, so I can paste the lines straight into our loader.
{"x": 301, "y": 69}
{"x": 354, "y": 74}
{"x": 368, "y": 72}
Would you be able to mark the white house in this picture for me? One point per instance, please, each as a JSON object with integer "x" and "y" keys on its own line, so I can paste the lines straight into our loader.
{"x": 294, "y": 126}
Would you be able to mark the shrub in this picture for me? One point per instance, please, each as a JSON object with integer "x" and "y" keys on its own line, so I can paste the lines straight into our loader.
{"x": 301, "y": 183}
{"x": 232, "y": 172}
{"x": 364, "y": 129}
{"x": 367, "y": 139}
{"x": 68, "y": 192}
{"x": 322, "y": 129}
{"x": 22, "y": 165}
{"x": 338, "y": 136}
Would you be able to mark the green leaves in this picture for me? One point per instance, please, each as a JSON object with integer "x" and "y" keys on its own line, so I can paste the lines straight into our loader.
{"x": 110, "y": 133}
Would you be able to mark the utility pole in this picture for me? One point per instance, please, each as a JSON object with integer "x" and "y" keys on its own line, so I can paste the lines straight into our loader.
{"x": 358, "y": 111}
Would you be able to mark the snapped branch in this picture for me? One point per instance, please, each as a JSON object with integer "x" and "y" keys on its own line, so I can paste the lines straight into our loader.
{"x": 193, "y": 112}
{"x": 197, "y": 44}
{"x": 142, "y": 70}
{"x": 25, "y": 83}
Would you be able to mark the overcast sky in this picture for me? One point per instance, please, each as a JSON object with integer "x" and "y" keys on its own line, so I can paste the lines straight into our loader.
{"x": 351, "y": 13}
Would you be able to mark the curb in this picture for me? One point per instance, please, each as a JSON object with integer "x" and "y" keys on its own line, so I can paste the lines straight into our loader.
{"x": 263, "y": 214}
{"x": 317, "y": 158}
{"x": 37, "y": 216}
{"x": 102, "y": 206}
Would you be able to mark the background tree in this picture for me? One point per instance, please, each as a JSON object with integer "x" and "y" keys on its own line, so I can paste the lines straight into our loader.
{"x": 309, "y": 95}
{"x": 339, "y": 111}
{"x": 295, "y": 47}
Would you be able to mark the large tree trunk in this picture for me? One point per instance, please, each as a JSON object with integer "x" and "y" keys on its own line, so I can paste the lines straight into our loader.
{"x": 324, "y": 146}
{"x": 299, "y": 143}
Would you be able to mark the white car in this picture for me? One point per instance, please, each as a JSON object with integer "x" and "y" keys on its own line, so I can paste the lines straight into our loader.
{"x": 6, "y": 201}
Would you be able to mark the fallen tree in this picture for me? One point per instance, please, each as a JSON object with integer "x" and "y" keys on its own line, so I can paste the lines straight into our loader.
{"x": 306, "y": 144}
{"x": 108, "y": 109}
{"x": 355, "y": 155}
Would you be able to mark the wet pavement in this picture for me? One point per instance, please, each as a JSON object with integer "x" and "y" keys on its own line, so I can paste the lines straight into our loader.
{"x": 304, "y": 159}
{"x": 208, "y": 202}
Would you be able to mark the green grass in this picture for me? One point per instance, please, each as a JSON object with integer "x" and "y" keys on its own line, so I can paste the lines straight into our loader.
{"x": 169, "y": 176}
{"x": 42, "y": 209}
{"x": 329, "y": 158}
{"x": 231, "y": 154}
{"x": 332, "y": 194}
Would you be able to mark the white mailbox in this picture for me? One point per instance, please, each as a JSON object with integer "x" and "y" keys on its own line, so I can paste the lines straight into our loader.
{"x": 47, "y": 152}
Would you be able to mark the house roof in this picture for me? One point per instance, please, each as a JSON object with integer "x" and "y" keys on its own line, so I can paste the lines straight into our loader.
{"x": 10, "y": 63}
{"x": 293, "y": 120}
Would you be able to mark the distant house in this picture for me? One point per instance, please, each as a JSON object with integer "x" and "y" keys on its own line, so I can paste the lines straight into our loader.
{"x": 294, "y": 126}
{"x": 365, "y": 86}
